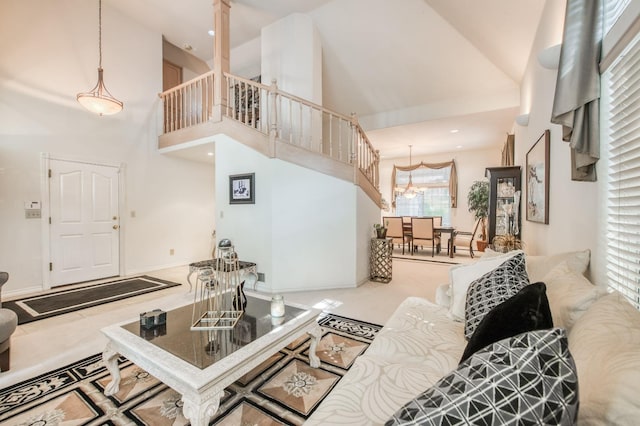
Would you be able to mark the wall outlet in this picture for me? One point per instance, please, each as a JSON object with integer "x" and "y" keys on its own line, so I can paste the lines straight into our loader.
{"x": 261, "y": 276}
{"x": 172, "y": 252}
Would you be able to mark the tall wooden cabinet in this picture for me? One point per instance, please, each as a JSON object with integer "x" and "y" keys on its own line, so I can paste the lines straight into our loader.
{"x": 504, "y": 218}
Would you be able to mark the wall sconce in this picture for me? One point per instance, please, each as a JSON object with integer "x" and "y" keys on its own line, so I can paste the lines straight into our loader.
{"x": 523, "y": 120}
{"x": 549, "y": 58}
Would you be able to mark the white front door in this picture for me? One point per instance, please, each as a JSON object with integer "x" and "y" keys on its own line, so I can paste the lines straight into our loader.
{"x": 84, "y": 227}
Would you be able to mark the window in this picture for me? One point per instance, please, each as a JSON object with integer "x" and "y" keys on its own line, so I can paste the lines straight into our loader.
{"x": 622, "y": 86}
{"x": 433, "y": 199}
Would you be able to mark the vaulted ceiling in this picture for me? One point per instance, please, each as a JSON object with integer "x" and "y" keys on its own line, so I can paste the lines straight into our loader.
{"x": 412, "y": 70}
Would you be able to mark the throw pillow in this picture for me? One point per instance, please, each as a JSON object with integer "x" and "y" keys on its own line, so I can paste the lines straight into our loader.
{"x": 570, "y": 294}
{"x": 539, "y": 266}
{"x": 528, "y": 310}
{"x": 493, "y": 288}
{"x": 605, "y": 343}
{"x": 461, "y": 276}
{"x": 526, "y": 379}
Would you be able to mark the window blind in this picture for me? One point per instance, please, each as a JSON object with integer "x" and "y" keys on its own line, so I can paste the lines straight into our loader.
{"x": 612, "y": 11}
{"x": 623, "y": 189}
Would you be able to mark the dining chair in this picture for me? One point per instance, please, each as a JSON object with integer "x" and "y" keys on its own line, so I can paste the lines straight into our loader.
{"x": 423, "y": 233}
{"x": 395, "y": 229}
{"x": 465, "y": 239}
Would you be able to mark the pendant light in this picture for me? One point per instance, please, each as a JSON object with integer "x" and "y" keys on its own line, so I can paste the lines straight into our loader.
{"x": 410, "y": 191}
{"x": 99, "y": 100}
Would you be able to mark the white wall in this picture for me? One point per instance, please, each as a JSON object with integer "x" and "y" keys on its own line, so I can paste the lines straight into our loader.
{"x": 294, "y": 61}
{"x": 305, "y": 230}
{"x": 49, "y": 54}
{"x": 572, "y": 205}
{"x": 470, "y": 166}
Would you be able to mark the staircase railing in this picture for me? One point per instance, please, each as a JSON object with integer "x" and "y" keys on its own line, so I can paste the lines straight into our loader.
{"x": 279, "y": 115}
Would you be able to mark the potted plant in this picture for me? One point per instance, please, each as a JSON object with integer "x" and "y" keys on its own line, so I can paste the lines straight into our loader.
{"x": 478, "y": 200}
{"x": 381, "y": 230}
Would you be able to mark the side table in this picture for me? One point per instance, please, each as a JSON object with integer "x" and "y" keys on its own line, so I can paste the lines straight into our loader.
{"x": 380, "y": 251}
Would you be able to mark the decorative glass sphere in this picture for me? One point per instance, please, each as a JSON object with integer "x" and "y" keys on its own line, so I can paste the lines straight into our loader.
{"x": 225, "y": 243}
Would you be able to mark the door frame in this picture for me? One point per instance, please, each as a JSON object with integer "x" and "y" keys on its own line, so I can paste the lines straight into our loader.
{"x": 45, "y": 163}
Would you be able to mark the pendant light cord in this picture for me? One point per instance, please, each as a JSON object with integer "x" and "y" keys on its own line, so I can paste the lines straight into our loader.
{"x": 100, "y": 33}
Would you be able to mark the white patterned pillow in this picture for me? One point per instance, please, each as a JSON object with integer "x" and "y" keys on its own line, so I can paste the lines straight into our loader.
{"x": 605, "y": 343}
{"x": 493, "y": 288}
{"x": 526, "y": 379}
{"x": 461, "y": 277}
{"x": 570, "y": 294}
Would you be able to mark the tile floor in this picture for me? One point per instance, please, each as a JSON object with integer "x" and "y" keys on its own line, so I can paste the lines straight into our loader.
{"x": 47, "y": 344}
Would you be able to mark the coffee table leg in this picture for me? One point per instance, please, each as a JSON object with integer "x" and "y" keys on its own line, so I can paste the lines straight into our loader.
{"x": 110, "y": 358}
{"x": 199, "y": 414}
{"x": 315, "y": 333}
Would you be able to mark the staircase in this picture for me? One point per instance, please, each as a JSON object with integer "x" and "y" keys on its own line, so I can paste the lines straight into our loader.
{"x": 274, "y": 123}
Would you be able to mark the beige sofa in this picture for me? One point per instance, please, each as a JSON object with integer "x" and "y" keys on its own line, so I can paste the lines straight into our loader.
{"x": 423, "y": 341}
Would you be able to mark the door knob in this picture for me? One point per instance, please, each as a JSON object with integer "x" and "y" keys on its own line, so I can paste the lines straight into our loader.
{"x": 115, "y": 226}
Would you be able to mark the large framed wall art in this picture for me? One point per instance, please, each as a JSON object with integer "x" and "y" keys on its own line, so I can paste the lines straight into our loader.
{"x": 537, "y": 176}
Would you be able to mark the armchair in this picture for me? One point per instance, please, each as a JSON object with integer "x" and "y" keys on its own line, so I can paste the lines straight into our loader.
{"x": 8, "y": 324}
{"x": 464, "y": 239}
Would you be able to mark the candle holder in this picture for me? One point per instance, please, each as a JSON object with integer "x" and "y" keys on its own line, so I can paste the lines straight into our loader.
{"x": 277, "y": 306}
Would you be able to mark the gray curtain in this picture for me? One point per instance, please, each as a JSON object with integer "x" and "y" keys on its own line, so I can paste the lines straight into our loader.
{"x": 576, "y": 105}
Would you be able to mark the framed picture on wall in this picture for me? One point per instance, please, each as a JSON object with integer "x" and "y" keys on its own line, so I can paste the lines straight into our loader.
{"x": 242, "y": 189}
{"x": 537, "y": 174}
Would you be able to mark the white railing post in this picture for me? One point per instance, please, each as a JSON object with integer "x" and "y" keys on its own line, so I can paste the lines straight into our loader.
{"x": 354, "y": 146}
{"x": 273, "y": 115}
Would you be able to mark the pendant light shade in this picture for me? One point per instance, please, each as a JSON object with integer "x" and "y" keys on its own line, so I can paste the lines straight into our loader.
{"x": 98, "y": 100}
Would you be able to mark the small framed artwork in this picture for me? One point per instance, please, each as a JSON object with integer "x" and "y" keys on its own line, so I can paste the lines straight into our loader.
{"x": 537, "y": 173}
{"x": 242, "y": 189}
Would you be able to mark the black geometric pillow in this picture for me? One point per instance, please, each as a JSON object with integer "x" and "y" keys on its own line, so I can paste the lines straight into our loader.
{"x": 493, "y": 288}
{"x": 528, "y": 310}
{"x": 528, "y": 379}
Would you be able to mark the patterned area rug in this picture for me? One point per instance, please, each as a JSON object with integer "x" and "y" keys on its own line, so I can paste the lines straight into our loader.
{"x": 282, "y": 390}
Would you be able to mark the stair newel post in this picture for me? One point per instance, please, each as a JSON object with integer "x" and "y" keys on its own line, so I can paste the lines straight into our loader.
{"x": 273, "y": 116}
{"x": 355, "y": 142}
{"x": 221, "y": 60}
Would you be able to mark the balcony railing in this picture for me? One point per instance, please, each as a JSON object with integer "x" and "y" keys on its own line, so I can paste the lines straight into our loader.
{"x": 274, "y": 113}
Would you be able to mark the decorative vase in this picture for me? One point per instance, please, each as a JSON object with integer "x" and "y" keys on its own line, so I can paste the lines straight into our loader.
{"x": 381, "y": 233}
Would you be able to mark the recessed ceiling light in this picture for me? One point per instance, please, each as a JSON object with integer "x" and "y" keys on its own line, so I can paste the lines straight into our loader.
{"x": 212, "y": 33}
{"x": 454, "y": 131}
{"x": 210, "y": 154}
{"x": 187, "y": 47}
{"x": 459, "y": 146}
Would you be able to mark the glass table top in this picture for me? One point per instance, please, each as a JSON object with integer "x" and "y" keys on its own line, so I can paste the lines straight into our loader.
{"x": 202, "y": 348}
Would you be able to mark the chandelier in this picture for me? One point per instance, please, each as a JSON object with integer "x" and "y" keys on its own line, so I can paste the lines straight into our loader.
{"x": 98, "y": 100}
{"x": 409, "y": 191}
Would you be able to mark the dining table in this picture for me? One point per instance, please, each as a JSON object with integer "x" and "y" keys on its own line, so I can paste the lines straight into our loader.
{"x": 407, "y": 234}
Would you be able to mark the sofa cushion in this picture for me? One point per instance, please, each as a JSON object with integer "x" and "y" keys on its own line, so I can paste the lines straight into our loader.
{"x": 417, "y": 346}
{"x": 493, "y": 288}
{"x": 461, "y": 276}
{"x": 526, "y": 379}
{"x": 605, "y": 343}
{"x": 539, "y": 266}
{"x": 528, "y": 310}
{"x": 570, "y": 294}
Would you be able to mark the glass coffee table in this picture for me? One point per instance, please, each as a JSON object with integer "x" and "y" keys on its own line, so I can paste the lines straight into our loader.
{"x": 201, "y": 364}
